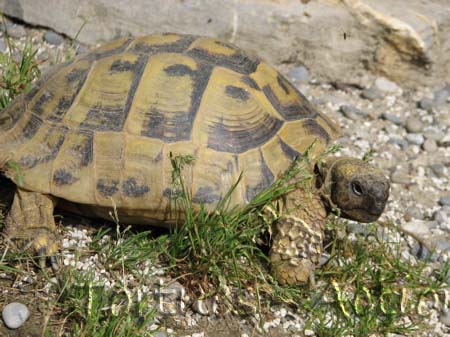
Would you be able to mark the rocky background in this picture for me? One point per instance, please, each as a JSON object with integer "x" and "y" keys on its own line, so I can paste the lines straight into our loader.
{"x": 381, "y": 68}
{"x": 408, "y": 41}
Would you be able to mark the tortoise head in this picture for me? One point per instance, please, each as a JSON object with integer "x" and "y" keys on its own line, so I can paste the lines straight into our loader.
{"x": 359, "y": 189}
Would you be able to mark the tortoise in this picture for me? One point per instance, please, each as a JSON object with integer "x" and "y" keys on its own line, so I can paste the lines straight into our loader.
{"x": 99, "y": 129}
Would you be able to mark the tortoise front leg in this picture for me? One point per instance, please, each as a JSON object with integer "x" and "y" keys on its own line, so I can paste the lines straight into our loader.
{"x": 31, "y": 225}
{"x": 298, "y": 239}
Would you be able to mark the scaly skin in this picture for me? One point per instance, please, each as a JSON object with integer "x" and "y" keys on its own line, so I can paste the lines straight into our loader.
{"x": 298, "y": 237}
{"x": 30, "y": 223}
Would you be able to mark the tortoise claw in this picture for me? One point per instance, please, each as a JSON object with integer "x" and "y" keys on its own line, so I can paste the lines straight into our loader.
{"x": 46, "y": 250}
{"x": 54, "y": 262}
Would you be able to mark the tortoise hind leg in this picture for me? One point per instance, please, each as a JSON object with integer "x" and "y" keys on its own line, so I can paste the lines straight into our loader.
{"x": 31, "y": 225}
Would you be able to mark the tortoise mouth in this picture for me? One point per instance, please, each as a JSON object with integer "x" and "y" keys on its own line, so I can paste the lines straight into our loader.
{"x": 362, "y": 214}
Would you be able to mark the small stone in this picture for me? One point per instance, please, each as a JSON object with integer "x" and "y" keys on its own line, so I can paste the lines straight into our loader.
{"x": 413, "y": 125}
{"x": 398, "y": 141}
{"x": 445, "y": 142}
{"x": 440, "y": 216}
{"x": 419, "y": 227}
{"x": 15, "y": 314}
{"x": 308, "y": 332}
{"x": 2, "y": 45}
{"x": 352, "y": 112}
{"x": 425, "y": 103}
{"x": 161, "y": 334}
{"x": 198, "y": 334}
{"x": 299, "y": 74}
{"x": 438, "y": 170}
{"x": 413, "y": 213}
{"x": 53, "y": 38}
{"x": 445, "y": 317}
{"x": 81, "y": 49}
{"x": 444, "y": 201}
{"x": 398, "y": 177}
{"x": 440, "y": 97}
{"x": 415, "y": 138}
{"x": 385, "y": 85}
{"x": 430, "y": 145}
{"x": 421, "y": 252}
{"x": 371, "y": 94}
{"x": 14, "y": 31}
{"x": 324, "y": 258}
{"x": 392, "y": 118}
{"x": 433, "y": 134}
{"x": 442, "y": 245}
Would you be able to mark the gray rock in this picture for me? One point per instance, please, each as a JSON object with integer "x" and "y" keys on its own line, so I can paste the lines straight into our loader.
{"x": 419, "y": 227}
{"x": 15, "y": 314}
{"x": 430, "y": 145}
{"x": 81, "y": 49}
{"x": 3, "y": 45}
{"x": 385, "y": 85}
{"x": 438, "y": 170}
{"x": 357, "y": 228}
{"x": 440, "y": 216}
{"x": 398, "y": 177}
{"x": 299, "y": 74}
{"x": 53, "y": 38}
{"x": 415, "y": 138}
{"x": 414, "y": 125}
{"x": 279, "y": 31}
{"x": 352, "y": 112}
{"x": 440, "y": 97}
{"x": 161, "y": 334}
{"x": 13, "y": 30}
{"x": 445, "y": 317}
{"x": 444, "y": 201}
{"x": 426, "y": 103}
{"x": 371, "y": 94}
{"x": 445, "y": 141}
{"x": 413, "y": 213}
{"x": 403, "y": 144}
{"x": 392, "y": 118}
{"x": 442, "y": 245}
{"x": 434, "y": 134}
{"x": 421, "y": 252}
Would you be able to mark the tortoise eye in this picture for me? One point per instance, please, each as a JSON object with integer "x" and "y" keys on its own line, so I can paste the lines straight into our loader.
{"x": 357, "y": 188}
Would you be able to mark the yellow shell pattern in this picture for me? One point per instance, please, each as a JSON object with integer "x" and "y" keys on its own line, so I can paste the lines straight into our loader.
{"x": 102, "y": 126}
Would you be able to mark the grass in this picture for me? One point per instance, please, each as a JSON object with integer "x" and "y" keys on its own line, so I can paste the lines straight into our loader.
{"x": 366, "y": 287}
{"x": 16, "y": 75}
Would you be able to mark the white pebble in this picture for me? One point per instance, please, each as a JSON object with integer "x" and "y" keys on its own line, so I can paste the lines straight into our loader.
{"x": 15, "y": 314}
{"x": 309, "y": 332}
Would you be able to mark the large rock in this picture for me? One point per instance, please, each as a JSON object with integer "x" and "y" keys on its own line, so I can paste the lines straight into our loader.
{"x": 408, "y": 42}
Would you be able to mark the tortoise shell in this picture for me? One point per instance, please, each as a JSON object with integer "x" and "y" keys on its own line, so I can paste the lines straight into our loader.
{"x": 101, "y": 126}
